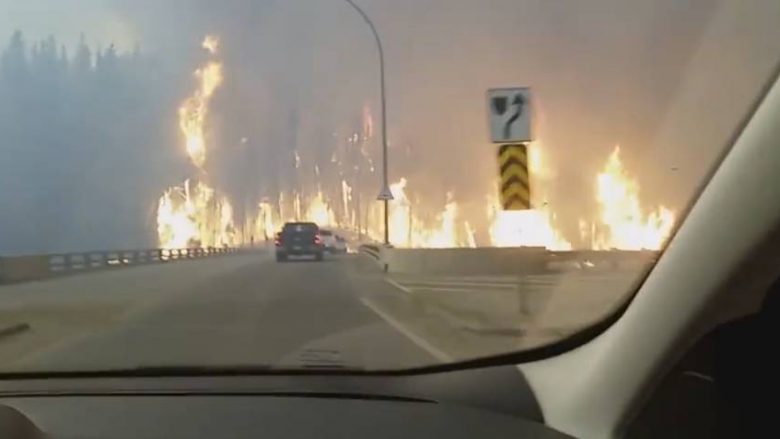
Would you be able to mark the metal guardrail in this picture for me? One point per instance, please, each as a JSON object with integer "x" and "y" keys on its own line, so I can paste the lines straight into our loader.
{"x": 34, "y": 267}
{"x": 370, "y": 250}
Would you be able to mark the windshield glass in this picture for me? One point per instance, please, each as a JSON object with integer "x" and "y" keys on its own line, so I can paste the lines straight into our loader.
{"x": 498, "y": 174}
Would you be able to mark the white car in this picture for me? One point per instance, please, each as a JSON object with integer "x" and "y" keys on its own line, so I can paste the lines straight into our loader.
{"x": 340, "y": 244}
{"x": 334, "y": 243}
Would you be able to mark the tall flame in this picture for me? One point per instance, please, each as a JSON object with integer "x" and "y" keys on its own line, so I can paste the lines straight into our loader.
{"x": 265, "y": 224}
{"x": 349, "y": 214}
{"x": 194, "y": 215}
{"x": 409, "y": 229}
{"x": 194, "y": 110}
{"x": 446, "y": 233}
{"x": 399, "y": 214}
{"x": 625, "y": 225}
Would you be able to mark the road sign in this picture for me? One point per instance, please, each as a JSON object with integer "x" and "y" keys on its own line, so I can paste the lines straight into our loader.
{"x": 385, "y": 194}
{"x": 510, "y": 114}
{"x": 515, "y": 182}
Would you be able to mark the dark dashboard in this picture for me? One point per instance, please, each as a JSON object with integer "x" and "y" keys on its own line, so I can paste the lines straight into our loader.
{"x": 492, "y": 402}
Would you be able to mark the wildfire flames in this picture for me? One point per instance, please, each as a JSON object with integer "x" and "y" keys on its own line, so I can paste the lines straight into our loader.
{"x": 319, "y": 212}
{"x": 195, "y": 214}
{"x": 194, "y": 110}
{"x": 410, "y": 230}
{"x": 622, "y": 224}
{"x": 626, "y": 226}
{"x": 525, "y": 228}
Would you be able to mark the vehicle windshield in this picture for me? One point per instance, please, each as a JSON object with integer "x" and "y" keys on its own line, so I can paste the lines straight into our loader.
{"x": 499, "y": 174}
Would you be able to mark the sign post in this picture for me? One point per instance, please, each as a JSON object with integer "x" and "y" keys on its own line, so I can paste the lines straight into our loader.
{"x": 509, "y": 112}
{"x": 386, "y": 196}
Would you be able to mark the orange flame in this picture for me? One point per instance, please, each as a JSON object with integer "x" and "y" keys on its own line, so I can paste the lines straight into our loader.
{"x": 525, "y": 228}
{"x": 621, "y": 223}
{"x": 318, "y": 211}
{"x": 408, "y": 229}
{"x": 194, "y": 215}
{"x": 194, "y": 110}
{"x": 626, "y": 226}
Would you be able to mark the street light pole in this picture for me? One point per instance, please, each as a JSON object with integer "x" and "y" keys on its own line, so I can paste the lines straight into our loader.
{"x": 385, "y": 183}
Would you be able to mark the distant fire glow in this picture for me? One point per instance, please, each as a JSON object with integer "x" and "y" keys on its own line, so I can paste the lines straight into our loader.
{"x": 195, "y": 214}
{"x": 622, "y": 222}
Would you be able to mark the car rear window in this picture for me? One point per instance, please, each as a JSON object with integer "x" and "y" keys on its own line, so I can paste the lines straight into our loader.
{"x": 300, "y": 228}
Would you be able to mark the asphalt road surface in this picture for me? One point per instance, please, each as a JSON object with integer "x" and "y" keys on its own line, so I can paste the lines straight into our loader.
{"x": 248, "y": 310}
{"x": 254, "y": 312}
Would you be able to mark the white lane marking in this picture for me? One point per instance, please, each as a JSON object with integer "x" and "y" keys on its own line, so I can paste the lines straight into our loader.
{"x": 411, "y": 278}
{"x": 464, "y": 290}
{"x": 399, "y": 286}
{"x": 416, "y": 284}
{"x": 475, "y": 286}
{"x": 541, "y": 278}
{"x": 416, "y": 339}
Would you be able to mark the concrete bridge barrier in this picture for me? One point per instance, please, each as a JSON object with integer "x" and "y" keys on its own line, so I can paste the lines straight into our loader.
{"x": 495, "y": 261}
{"x": 35, "y": 267}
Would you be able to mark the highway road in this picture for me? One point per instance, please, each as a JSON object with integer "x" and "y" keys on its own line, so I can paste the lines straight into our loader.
{"x": 248, "y": 310}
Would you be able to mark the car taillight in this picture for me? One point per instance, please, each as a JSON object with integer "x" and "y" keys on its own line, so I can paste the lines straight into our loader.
{"x": 317, "y": 239}
{"x": 278, "y": 239}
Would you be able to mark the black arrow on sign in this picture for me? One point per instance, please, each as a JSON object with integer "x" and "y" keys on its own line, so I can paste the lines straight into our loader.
{"x": 518, "y": 103}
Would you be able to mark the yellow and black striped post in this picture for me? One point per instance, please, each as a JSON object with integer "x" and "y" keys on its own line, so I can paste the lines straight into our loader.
{"x": 515, "y": 187}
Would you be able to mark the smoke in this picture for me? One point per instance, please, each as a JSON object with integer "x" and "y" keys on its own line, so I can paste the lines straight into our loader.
{"x": 603, "y": 73}
{"x": 298, "y": 75}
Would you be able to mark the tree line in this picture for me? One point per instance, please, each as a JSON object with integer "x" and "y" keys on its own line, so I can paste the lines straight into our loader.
{"x": 84, "y": 146}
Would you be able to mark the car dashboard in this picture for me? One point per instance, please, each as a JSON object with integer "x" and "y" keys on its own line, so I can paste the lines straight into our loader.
{"x": 493, "y": 402}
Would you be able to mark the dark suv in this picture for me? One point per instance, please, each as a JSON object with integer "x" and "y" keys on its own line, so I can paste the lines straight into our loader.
{"x": 299, "y": 239}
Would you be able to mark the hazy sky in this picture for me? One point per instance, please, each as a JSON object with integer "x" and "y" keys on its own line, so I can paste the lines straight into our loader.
{"x": 66, "y": 19}
{"x": 651, "y": 76}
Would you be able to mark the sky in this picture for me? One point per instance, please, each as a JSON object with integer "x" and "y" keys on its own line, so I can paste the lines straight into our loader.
{"x": 68, "y": 19}
{"x": 666, "y": 80}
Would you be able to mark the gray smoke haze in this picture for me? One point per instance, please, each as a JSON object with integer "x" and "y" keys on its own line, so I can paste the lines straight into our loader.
{"x": 83, "y": 161}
